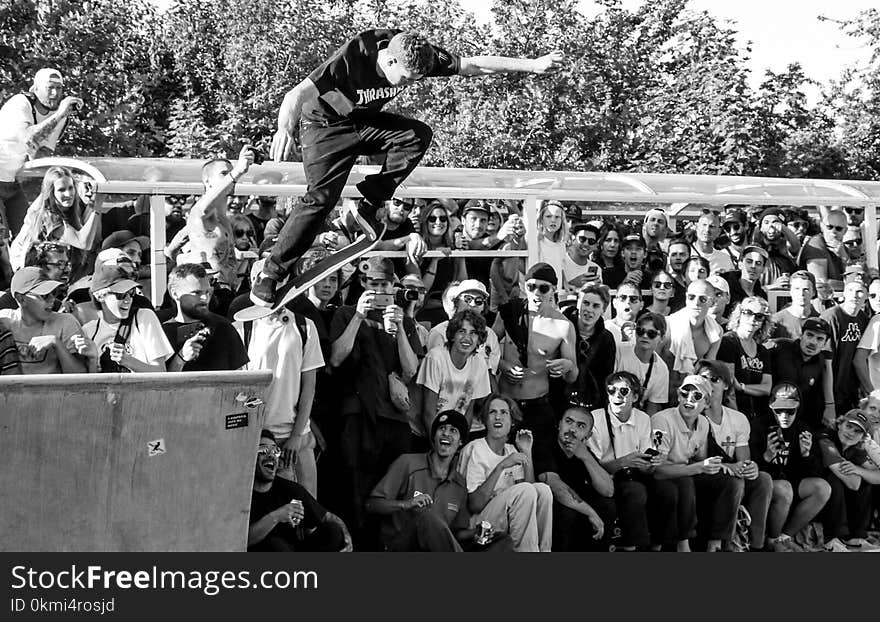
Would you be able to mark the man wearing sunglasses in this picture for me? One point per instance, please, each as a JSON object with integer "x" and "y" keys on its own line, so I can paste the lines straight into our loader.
{"x": 539, "y": 348}
{"x": 46, "y": 340}
{"x": 284, "y": 517}
{"x": 691, "y": 493}
{"x": 693, "y": 335}
{"x": 824, "y": 255}
{"x": 848, "y": 321}
{"x": 627, "y": 305}
{"x": 643, "y": 361}
{"x": 400, "y": 233}
{"x": 734, "y": 227}
{"x": 578, "y": 269}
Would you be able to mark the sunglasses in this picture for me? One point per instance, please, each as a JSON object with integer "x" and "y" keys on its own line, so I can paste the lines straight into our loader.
{"x": 837, "y": 228}
{"x": 265, "y": 451}
{"x": 585, "y": 239}
{"x": 543, "y": 288}
{"x": 628, "y": 298}
{"x": 853, "y": 242}
{"x": 760, "y": 317}
{"x": 58, "y": 264}
{"x": 701, "y": 298}
{"x": 706, "y": 210}
{"x": 239, "y": 233}
{"x": 404, "y": 204}
{"x": 650, "y": 333}
{"x": 123, "y": 295}
{"x": 473, "y": 300}
{"x": 621, "y": 391}
{"x": 695, "y": 393}
{"x": 731, "y": 226}
{"x": 663, "y": 284}
{"x": 438, "y": 219}
{"x": 853, "y": 210}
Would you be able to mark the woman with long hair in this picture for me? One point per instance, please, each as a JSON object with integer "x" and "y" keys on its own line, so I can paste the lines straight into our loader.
{"x": 607, "y": 253}
{"x": 743, "y": 351}
{"x": 436, "y": 228}
{"x": 57, "y": 215}
{"x": 553, "y": 237}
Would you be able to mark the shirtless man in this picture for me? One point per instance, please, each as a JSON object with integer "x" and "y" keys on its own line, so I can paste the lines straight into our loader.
{"x": 208, "y": 227}
{"x": 693, "y": 335}
{"x": 545, "y": 351}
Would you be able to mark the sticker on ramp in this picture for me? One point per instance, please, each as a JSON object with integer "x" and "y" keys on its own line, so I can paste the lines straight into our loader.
{"x": 154, "y": 448}
{"x": 236, "y": 420}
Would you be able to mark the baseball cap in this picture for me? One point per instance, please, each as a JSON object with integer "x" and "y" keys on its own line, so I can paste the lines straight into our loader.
{"x": 47, "y": 73}
{"x": 30, "y": 280}
{"x": 816, "y": 325}
{"x": 785, "y": 396}
{"x": 855, "y": 274}
{"x": 453, "y": 418}
{"x": 718, "y": 282}
{"x": 121, "y": 238}
{"x": 542, "y": 271}
{"x": 471, "y": 285}
{"x": 734, "y": 215}
{"x": 379, "y": 267}
{"x": 634, "y": 238}
{"x": 751, "y": 248}
{"x": 112, "y": 278}
{"x": 573, "y": 212}
{"x": 475, "y": 205}
{"x": 858, "y": 417}
{"x": 699, "y": 382}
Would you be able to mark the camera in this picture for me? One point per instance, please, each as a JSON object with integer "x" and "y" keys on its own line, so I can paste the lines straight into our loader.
{"x": 259, "y": 156}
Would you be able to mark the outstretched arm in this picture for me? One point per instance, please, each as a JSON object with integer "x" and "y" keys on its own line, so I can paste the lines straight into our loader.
{"x": 288, "y": 118}
{"x": 487, "y": 65}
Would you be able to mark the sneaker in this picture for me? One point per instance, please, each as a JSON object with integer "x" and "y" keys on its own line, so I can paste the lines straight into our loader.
{"x": 784, "y": 544}
{"x": 263, "y": 291}
{"x": 367, "y": 216}
{"x": 860, "y": 544}
{"x": 836, "y": 546}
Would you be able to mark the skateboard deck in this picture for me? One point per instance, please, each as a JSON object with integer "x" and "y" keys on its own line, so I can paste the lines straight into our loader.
{"x": 300, "y": 284}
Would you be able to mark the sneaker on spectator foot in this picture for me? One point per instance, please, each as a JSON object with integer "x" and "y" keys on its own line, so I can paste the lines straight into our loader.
{"x": 784, "y": 544}
{"x": 859, "y": 544}
{"x": 263, "y": 291}
{"x": 836, "y": 546}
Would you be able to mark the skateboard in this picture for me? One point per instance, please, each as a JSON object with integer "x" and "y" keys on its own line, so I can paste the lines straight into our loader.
{"x": 300, "y": 284}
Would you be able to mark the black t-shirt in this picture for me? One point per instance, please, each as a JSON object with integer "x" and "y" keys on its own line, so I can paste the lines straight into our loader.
{"x": 737, "y": 293}
{"x": 788, "y": 365}
{"x": 747, "y": 369}
{"x": 846, "y": 332}
{"x": 281, "y": 493}
{"x": 549, "y": 458}
{"x": 349, "y": 83}
{"x": 791, "y": 466}
{"x": 221, "y": 351}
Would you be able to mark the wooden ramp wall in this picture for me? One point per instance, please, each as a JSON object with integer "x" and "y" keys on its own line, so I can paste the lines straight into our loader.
{"x": 128, "y": 462}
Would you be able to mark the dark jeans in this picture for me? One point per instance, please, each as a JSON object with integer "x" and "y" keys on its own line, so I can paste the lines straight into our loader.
{"x": 848, "y": 512}
{"x": 676, "y": 503}
{"x": 368, "y": 449}
{"x": 327, "y": 538}
{"x": 538, "y": 416}
{"x": 329, "y": 152}
{"x": 13, "y": 205}
{"x": 631, "y": 497}
{"x": 426, "y": 533}
{"x": 573, "y": 532}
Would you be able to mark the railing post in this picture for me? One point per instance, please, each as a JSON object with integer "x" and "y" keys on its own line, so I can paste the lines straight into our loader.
{"x": 530, "y": 216}
{"x": 158, "y": 271}
{"x": 870, "y": 236}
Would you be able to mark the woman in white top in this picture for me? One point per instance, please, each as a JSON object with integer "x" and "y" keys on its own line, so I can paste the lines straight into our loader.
{"x": 501, "y": 479}
{"x": 552, "y": 237}
{"x": 127, "y": 338}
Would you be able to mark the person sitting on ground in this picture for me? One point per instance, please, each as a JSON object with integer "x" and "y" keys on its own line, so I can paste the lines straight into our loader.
{"x": 693, "y": 335}
{"x": 742, "y": 350}
{"x": 594, "y": 344}
{"x": 848, "y": 512}
{"x": 788, "y": 322}
{"x": 690, "y": 489}
{"x": 127, "y": 338}
{"x": 806, "y": 363}
{"x": 729, "y": 432}
{"x": 422, "y": 498}
{"x": 644, "y": 362}
{"x": 454, "y": 376}
{"x": 539, "y": 347}
{"x": 48, "y": 342}
{"x": 284, "y": 516}
{"x": 500, "y": 479}
{"x": 583, "y": 510}
{"x": 621, "y": 439}
{"x": 823, "y": 255}
{"x": 202, "y": 341}
{"x": 782, "y": 445}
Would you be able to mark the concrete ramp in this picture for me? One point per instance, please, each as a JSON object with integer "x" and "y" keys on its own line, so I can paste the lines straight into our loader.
{"x": 128, "y": 462}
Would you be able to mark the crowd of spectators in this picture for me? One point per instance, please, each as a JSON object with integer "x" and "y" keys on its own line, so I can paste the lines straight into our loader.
{"x": 632, "y": 389}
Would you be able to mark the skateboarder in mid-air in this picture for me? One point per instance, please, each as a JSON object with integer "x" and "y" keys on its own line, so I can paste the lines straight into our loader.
{"x": 340, "y": 108}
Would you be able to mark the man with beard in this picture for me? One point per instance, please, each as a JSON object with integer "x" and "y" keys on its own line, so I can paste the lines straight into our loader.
{"x": 746, "y": 281}
{"x": 734, "y": 225}
{"x": 284, "y": 516}
{"x": 583, "y": 510}
{"x": 782, "y": 446}
{"x": 678, "y": 253}
{"x": 782, "y": 247}
{"x": 400, "y": 233}
{"x": 540, "y": 347}
{"x": 804, "y": 363}
{"x": 202, "y": 341}
{"x": 30, "y": 126}
{"x": 52, "y": 259}
{"x": 422, "y": 499}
